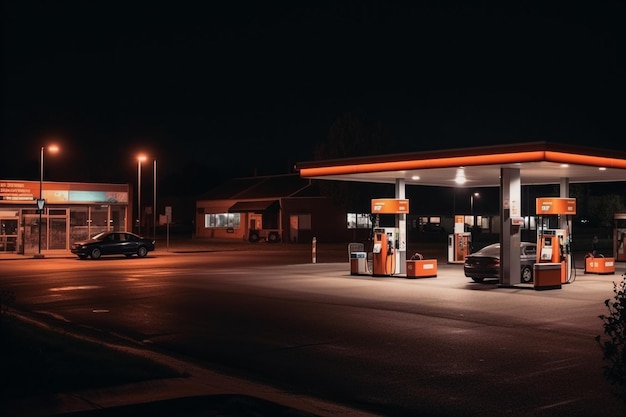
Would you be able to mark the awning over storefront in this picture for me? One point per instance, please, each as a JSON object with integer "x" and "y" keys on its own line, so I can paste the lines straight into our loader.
{"x": 254, "y": 206}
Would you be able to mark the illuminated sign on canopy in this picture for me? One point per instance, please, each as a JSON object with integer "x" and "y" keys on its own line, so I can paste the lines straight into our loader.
{"x": 390, "y": 206}
{"x": 555, "y": 205}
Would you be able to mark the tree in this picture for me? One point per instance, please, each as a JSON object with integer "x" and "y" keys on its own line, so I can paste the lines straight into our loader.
{"x": 613, "y": 345}
{"x": 604, "y": 207}
{"x": 352, "y": 135}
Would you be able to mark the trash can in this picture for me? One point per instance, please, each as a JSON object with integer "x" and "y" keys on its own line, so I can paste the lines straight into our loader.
{"x": 358, "y": 263}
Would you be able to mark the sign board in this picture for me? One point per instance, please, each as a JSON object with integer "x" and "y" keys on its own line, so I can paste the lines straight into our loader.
{"x": 517, "y": 221}
{"x": 555, "y": 205}
{"x": 168, "y": 213}
{"x": 390, "y": 206}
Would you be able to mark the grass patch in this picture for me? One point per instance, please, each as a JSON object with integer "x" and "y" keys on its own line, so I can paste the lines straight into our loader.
{"x": 38, "y": 361}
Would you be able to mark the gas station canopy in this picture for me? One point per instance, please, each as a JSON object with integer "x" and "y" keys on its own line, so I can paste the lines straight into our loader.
{"x": 507, "y": 167}
{"x": 539, "y": 163}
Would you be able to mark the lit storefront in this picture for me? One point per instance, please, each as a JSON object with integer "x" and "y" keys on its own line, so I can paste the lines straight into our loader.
{"x": 72, "y": 211}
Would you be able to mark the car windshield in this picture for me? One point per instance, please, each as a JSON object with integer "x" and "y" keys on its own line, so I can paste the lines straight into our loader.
{"x": 99, "y": 235}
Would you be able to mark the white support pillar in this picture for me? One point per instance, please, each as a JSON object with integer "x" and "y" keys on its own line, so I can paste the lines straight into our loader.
{"x": 563, "y": 193}
{"x": 400, "y": 224}
{"x": 510, "y": 207}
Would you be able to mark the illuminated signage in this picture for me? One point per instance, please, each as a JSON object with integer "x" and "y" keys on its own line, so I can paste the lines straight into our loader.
{"x": 554, "y": 205}
{"x": 24, "y": 192}
{"x": 390, "y": 206}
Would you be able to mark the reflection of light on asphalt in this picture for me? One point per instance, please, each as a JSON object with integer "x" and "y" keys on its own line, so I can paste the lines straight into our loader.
{"x": 100, "y": 311}
{"x": 150, "y": 274}
{"x": 75, "y": 287}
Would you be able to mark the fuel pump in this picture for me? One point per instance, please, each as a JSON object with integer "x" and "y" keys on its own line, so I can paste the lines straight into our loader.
{"x": 459, "y": 243}
{"x": 553, "y": 243}
{"x": 389, "y": 243}
{"x": 383, "y": 253}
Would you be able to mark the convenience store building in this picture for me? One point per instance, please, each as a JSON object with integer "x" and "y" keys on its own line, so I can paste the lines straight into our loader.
{"x": 72, "y": 211}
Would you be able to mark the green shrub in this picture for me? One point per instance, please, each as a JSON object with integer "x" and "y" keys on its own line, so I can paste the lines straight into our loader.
{"x": 614, "y": 343}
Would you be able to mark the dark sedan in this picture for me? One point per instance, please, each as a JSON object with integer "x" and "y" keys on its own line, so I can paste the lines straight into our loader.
{"x": 113, "y": 243}
{"x": 485, "y": 263}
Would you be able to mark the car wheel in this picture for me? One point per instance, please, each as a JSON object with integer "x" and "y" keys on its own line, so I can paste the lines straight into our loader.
{"x": 527, "y": 274}
{"x": 142, "y": 251}
{"x": 95, "y": 253}
{"x": 82, "y": 256}
{"x": 273, "y": 237}
{"x": 477, "y": 279}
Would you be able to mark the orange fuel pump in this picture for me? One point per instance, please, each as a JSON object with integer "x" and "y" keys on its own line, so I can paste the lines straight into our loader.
{"x": 383, "y": 254}
{"x": 554, "y": 244}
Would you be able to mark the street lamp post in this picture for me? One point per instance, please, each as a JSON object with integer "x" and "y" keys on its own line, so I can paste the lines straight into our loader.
{"x": 154, "y": 199}
{"x": 41, "y": 201}
{"x": 140, "y": 159}
{"x": 472, "y": 202}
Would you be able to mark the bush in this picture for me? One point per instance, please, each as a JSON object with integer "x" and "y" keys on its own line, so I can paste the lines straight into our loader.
{"x": 614, "y": 344}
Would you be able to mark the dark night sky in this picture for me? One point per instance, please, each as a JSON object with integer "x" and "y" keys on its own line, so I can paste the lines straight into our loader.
{"x": 227, "y": 88}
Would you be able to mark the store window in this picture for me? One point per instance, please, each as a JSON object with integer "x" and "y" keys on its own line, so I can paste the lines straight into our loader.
{"x": 99, "y": 219}
{"x": 359, "y": 221}
{"x": 222, "y": 220}
{"x": 79, "y": 223}
{"x": 118, "y": 218}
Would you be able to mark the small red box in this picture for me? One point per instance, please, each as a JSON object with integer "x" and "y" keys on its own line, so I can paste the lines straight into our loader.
{"x": 599, "y": 265}
{"x": 422, "y": 268}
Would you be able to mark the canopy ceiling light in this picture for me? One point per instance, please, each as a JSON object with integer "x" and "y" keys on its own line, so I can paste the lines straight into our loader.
{"x": 460, "y": 176}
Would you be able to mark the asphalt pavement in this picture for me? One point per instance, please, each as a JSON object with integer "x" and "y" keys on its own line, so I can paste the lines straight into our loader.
{"x": 203, "y": 392}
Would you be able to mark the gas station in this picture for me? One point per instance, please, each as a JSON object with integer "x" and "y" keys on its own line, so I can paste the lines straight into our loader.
{"x": 507, "y": 167}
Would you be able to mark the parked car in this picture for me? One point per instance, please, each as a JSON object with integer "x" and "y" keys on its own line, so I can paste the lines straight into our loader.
{"x": 485, "y": 263}
{"x": 113, "y": 243}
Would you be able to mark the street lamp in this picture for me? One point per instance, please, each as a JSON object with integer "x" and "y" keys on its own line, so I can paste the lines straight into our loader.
{"x": 474, "y": 195}
{"x": 140, "y": 159}
{"x": 41, "y": 202}
{"x": 154, "y": 200}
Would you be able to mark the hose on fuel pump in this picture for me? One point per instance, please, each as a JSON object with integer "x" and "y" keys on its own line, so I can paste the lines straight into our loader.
{"x": 570, "y": 252}
{"x": 390, "y": 266}
{"x": 375, "y": 222}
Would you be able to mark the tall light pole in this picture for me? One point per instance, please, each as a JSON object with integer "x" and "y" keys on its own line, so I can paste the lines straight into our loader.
{"x": 472, "y": 196}
{"x": 41, "y": 202}
{"x": 140, "y": 159}
{"x": 154, "y": 200}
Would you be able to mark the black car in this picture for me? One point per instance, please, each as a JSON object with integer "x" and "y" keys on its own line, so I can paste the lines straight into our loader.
{"x": 485, "y": 263}
{"x": 113, "y": 243}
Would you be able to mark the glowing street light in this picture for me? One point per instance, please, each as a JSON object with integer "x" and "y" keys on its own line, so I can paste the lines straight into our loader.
{"x": 472, "y": 196}
{"x": 41, "y": 202}
{"x": 140, "y": 159}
